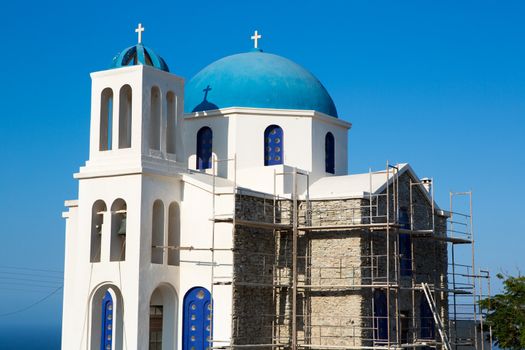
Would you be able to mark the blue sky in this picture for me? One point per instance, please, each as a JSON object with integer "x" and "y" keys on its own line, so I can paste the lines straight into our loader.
{"x": 438, "y": 84}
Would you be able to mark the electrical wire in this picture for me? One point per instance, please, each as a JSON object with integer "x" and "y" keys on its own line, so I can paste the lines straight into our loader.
{"x": 31, "y": 305}
{"x": 29, "y": 269}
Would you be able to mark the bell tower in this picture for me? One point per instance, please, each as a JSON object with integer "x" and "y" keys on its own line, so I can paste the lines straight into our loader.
{"x": 128, "y": 209}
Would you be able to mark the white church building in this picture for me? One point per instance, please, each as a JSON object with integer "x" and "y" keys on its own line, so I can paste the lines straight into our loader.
{"x": 204, "y": 197}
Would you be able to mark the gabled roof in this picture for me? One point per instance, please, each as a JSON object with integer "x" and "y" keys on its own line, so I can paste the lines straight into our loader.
{"x": 361, "y": 185}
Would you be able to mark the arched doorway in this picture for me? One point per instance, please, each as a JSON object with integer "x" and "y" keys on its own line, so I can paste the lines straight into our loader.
{"x": 163, "y": 318}
{"x": 106, "y": 319}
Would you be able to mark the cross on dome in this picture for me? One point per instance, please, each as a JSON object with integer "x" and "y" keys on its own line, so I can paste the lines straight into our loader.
{"x": 255, "y": 38}
{"x": 139, "y": 31}
{"x": 208, "y": 89}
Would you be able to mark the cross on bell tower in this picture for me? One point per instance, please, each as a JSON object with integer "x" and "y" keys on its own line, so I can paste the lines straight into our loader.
{"x": 139, "y": 31}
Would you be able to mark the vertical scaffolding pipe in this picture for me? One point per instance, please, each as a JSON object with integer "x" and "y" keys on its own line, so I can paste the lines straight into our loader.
{"x": 453, "y": 274}
{"x": 489, "y": 296}
{"x": 480, "y": 312}
{"x": 370, "y": 195}
{"x": 212, "y": 277}
{"x": 294, "y": 260}
{"x": 473, "y": 271}
{"x": 388, "y": 253}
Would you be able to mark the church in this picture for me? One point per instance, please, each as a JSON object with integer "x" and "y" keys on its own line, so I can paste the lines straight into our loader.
{"x": 218, "y": 213}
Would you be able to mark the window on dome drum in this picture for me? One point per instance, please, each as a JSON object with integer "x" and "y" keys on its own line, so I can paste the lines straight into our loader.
{"x": 329, "y": 153}
{"x": 197, "y": 319}
{"x": 273, "y": 145}
{"x": 124, "y": 128}
{"x": 97, "y": 220}
{"x": 172, "y": 122}
{"x": 174, "y": 234}
{"x": 204, "y": 148}
{"x": 157, "y": 233}
{"x": 106, "y": 119}
{"x": 118, "y": 230}
{"x": 155, "y": 121}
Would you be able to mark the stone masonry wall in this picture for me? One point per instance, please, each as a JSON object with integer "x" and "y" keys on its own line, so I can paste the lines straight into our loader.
{"x": 337, "y": 268}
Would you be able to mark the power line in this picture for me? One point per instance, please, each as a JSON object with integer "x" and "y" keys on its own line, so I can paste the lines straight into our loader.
{"x": 30, "y": 274}
{"x": 29, "y": 269}
{"x": 31, "y": 305}
{"x": 28, "y": 280}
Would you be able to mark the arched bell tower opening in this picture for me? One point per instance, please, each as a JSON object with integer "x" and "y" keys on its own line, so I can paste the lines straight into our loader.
{"x": 124, "y": 130}
{"x": 155, "y": 119}
{"x": 157, "y": 233}
{"x": 171, "y": 126}
{"x": 174, "y": 234}
{"x": 97, "y": 221}
{"x": 118, "y": 230}
{"x": 106, "y": 119}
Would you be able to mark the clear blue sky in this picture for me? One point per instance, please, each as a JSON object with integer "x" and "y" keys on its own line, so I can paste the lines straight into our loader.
{"x": 438, "y": 84}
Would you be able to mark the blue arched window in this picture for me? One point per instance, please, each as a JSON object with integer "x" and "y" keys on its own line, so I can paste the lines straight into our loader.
{"x": 107, "y": 322}
{"x": 204, "y": 147}
{"x": 427, "y": 320}
{"x": 380, "y": 316}
{"x": 273, "y": 145}
{"x": 329, "y": 153}
{"x": 197, "y": 320}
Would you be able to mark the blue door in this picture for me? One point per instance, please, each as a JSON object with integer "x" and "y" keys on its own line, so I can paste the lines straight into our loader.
{"x": 107, "y": 322}
{"x": 197, "y": 320}
{"x": 380, "y": 316}
{"x": 427, "y": 320}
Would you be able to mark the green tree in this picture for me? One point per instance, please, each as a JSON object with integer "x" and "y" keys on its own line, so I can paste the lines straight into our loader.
{"x": 506, "y": 313}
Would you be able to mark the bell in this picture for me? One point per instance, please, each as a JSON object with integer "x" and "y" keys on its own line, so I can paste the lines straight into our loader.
{"x": 122, "y": 228}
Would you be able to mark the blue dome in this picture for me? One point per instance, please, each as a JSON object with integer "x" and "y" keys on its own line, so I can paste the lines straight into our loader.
{"x": 259, "y": 80}
{"x": 139, "y": 54}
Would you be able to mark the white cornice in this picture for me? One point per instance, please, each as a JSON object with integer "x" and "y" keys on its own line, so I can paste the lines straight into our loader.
{"x": 265, "y": 112}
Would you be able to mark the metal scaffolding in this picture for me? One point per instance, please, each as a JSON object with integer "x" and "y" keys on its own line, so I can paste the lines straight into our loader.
{"x": 292, "y": 275}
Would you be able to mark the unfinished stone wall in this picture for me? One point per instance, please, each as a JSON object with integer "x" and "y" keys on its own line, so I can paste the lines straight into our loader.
{"x": 338, "y": 270}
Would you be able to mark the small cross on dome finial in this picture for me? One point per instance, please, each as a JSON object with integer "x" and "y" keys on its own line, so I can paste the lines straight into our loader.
{"x": 255, "y": 37}
{"x": 139, "y": 31}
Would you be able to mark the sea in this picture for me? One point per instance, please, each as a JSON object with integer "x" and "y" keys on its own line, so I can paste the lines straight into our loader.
{"x": 30, "y": 338}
